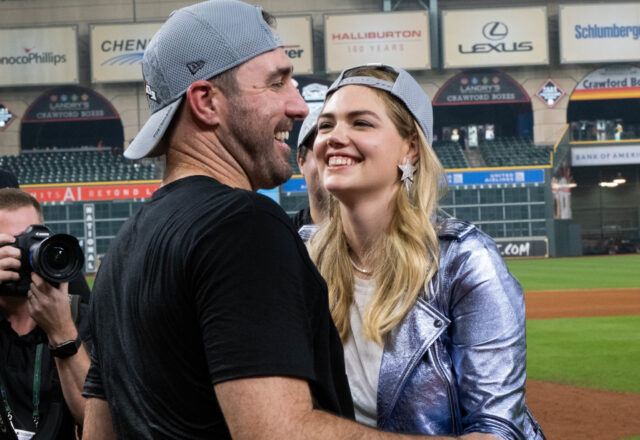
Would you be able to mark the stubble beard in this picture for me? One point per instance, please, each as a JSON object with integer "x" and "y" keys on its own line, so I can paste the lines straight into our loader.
{"x": 257, "y": 154}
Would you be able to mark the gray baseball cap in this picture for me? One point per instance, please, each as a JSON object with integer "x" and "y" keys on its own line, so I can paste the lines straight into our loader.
{"x": 196, "y": 42}
{"x": 308, "y": 126}
{"x": 405, "y": 88}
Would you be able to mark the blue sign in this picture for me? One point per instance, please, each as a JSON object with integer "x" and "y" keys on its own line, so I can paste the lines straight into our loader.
{"x": 273, "y": 194}
{"x": 295, "y": 184}
{"x": 497, "y": 177}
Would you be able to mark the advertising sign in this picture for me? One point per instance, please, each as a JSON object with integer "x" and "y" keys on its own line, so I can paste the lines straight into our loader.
{"x": 38, "y": 56}
{"x": 611, "y": 82}
{"x": 295, "y": 33}
{"x": 599, "y": 33}
{"x": 550, "y": 93}
{"x": 523, "y": 247}
{"x": 397, "y": 38}
{"x": 614, "y": 155}
{"x": 294, "y": 185}
{"x": 6, "y": 117}
{"x": 90, "y": 235}
{"x": 69, "y": 103}
{"x": 91, "y": 192}
{"x": 495, "y": 177}
{"x": 117, "y": 49}
{"x": 495, "y": 37}
{"x": 480, "y": 88}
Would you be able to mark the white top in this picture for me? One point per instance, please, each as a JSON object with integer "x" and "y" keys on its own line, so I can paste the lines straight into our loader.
{"x": 362, "y": 357}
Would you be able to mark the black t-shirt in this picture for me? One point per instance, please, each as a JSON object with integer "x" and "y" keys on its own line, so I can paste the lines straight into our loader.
{"x": 206, "y": 284}
{"x": 17, "y": 367}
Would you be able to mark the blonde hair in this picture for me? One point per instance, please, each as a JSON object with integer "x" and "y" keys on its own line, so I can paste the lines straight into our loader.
{"x": 406, "y": 256}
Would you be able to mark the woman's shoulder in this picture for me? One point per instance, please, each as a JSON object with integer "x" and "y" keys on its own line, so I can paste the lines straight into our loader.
{"x": 466, "y": 235}
{"x": 451, "y": 228}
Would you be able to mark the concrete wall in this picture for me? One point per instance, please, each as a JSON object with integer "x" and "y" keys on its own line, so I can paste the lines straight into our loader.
{"x": 129, "y": 99}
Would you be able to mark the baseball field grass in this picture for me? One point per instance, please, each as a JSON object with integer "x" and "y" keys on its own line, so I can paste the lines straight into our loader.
{"x": 599, "y": 352}
{"x": 577, "y": 273}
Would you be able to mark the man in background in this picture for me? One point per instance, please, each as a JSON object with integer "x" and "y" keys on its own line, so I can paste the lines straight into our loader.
{"x": 307, "y": 219}
{"x": 43, "y": 363}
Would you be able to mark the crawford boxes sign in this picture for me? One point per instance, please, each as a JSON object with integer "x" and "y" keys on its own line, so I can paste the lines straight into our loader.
{"x": 495, "y": 37}
{"x": 599, "y": 33}
{"x": 117, "y": 49}
{"x": 38, "y": 56}
{"x": 611, "y": 82}
{"x": 397, "y": 38}
{"x": 480, "y": 87}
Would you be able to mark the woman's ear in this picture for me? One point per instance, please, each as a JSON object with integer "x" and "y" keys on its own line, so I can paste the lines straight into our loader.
{"x": 414, "y": 149}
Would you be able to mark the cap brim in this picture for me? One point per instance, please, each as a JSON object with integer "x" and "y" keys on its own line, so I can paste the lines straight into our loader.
{"x": 152, "y": 132}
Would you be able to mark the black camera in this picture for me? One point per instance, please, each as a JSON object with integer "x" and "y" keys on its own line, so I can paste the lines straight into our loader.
{"x": 55, "y": 257}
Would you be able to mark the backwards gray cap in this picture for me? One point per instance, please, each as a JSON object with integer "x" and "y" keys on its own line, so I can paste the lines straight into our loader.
{"x": 196, "y": 42}
{"x": 308, "y": 126}
{"x": 405, "y": 88}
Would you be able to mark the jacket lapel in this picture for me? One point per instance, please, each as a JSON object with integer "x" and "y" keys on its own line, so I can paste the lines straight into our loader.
{"x": 404, "y": 347}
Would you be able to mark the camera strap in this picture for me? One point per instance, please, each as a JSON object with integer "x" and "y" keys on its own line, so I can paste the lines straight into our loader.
{"x": 37, "y": 379}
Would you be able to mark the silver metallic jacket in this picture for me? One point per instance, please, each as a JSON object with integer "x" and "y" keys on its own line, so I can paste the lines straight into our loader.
{"x": 457, "y": 362}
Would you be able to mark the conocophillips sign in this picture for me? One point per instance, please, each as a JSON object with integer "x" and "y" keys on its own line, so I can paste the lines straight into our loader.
{"x": 495, "y": 37}
{"x": 38, "y": 56}
{"x": 599, "y": 33}
{"x": 116, "y": 51}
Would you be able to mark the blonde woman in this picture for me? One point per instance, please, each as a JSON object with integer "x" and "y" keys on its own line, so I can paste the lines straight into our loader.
{"x": 431, "y": 320}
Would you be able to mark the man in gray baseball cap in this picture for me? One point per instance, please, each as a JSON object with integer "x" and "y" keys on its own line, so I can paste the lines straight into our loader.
{"x": 209, "y": 320}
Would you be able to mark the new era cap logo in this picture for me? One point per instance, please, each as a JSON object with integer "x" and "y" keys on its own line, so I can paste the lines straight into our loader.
{"x": 194, "y": 66}
{"x": 150, "y": 93}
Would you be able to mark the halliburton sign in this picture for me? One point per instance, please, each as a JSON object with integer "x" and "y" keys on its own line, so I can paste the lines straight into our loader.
{"x": 397, "y": 38}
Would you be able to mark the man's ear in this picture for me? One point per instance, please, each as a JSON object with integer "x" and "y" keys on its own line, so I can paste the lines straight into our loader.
{"x": 204, "y": 101}
{"x": 300, "y": 161}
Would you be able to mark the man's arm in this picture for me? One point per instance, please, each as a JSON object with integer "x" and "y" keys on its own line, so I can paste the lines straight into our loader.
{"x": 97, "y": 421}
{"x": 265, "y": 408}
{"x": 49, "y": 307}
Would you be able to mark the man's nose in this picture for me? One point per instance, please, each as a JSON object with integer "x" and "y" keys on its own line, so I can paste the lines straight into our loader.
{"x": 296, "y": 106}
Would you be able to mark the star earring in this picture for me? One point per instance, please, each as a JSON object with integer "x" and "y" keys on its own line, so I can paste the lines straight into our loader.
{"x": 408, "y": 170}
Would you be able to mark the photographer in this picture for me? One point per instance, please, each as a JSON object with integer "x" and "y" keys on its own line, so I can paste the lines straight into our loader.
{"x": 43, "y": 363}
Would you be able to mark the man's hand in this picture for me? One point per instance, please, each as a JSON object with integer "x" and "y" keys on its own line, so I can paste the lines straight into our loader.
{"x": 9, "y": 259}
{"x": 49, "y": 308}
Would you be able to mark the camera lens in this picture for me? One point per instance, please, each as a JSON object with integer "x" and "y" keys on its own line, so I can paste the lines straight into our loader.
{"x": 57, "y": 258}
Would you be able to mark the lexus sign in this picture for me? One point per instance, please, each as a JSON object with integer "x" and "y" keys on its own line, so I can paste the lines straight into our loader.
{"x": 495, "y": 37}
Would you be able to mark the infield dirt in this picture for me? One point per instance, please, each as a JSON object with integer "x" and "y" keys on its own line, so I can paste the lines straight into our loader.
{"x": 571, "y": 413}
